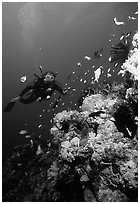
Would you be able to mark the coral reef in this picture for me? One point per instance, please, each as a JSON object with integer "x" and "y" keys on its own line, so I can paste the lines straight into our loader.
{"x": 131, "y": 64}
{"x": 89, "y": 158}
{"x": 92, "y": 155}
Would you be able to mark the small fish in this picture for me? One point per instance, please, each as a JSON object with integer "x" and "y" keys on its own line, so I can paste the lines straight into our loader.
{"x": 108, "y": 70}
{"x": 23, "y": 78}
{"x": 97, "y": 74}
{"x": 49, "y": 89}
{"x": 128, "y": 131}
{"x": 85, "y": 81}
{"x": 11, "y": 173}
{"x": 31, "y": 143}
{"x": 122, "y": 72}
{"x": 136, "y": 12}
{"x": 108, "y": 75}
{"x": 79, "y": 64}
{"x": 19, "y": 164}
{"x": 87, "y": 57}
{"x": 40, "y": 126}
{"x": 40, "y": 68}
{"x": 38, "y": 99}
{"x": 109, "y": 59}
{"x": 18, "y": 154}
{"x": 122, "y": 37}
{"x": 39, "y": 136}
{"x": 131, "y": 18}
{"x": 128, "y": 34}
{"x": 23, "y": 132}
{"x": 118, "y": 22}
{"x": 48, "y": 97}
{"x": 40, "y": 115}
{"x": 27, "y": 136}
{"x": 98, "y": 53}
{"x": 116, "y": 64}
{"x": 56, "y": 102}
{"x": 39, "y": 150}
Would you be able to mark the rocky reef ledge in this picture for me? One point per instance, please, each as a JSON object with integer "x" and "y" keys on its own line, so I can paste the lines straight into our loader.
{"x": 92, "y": 156}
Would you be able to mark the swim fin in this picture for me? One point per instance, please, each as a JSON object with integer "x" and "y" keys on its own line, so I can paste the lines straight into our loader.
{"x": 9, "y": 106}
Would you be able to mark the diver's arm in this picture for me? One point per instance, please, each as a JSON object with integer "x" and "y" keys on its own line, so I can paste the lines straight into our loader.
{"x": 59, "y": 88}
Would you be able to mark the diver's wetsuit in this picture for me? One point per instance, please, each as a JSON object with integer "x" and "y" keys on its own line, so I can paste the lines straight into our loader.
{"x": 42, "y": 89}
{"x": 38, "y": 90}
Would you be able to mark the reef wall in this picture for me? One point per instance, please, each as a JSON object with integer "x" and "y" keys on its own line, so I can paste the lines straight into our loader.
{"x": 93, "y": 153}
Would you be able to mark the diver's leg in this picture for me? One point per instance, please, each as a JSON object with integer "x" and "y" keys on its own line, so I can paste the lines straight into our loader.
{"x": 29, "y": 97}
{"x": 11, "y": 104}
{"x": 27, "y": 100}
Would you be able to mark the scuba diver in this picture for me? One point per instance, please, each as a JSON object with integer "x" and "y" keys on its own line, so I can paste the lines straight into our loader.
{"x": 41, "y": 88}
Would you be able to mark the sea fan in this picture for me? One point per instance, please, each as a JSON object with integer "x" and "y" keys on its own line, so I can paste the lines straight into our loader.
{"x": 119, "y": 52}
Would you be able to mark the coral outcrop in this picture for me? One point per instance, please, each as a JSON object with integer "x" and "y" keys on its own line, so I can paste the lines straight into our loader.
{"x": 131, "y": 64}
{"x": 92, "y": 156}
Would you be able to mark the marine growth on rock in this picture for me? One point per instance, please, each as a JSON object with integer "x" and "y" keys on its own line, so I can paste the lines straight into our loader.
{"x": 92, "y": 154}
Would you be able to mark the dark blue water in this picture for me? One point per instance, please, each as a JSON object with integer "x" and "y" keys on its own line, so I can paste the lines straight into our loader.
{"x": 55, "y": 36}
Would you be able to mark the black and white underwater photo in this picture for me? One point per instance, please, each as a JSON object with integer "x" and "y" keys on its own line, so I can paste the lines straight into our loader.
{"x": 70, "y": 101}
